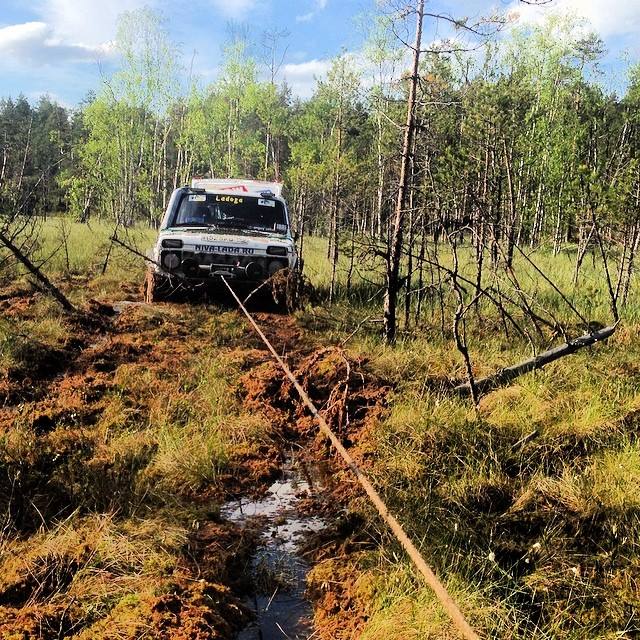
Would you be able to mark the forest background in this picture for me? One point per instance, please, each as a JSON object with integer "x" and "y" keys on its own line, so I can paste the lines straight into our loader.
{"x": 514, "y": 143}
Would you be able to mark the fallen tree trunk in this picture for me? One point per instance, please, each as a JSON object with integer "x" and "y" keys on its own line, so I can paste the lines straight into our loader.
{"x": 42, "y": 279}
{"x": 507, "y": 374}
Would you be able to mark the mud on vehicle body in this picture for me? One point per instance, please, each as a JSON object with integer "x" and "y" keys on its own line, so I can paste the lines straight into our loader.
{"x": 238, "y": 229}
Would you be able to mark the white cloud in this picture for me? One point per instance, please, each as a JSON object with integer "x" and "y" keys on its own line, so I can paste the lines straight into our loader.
{"x": 235, "y": 9}
{"x": 306, "y": 17}
{"x": 88, "y": 22}
{"x": 36, "y": 42}
{"x": 68, "y": 30}
{"x": 318, "y": 6}
{"x": 302, "y": 77}
{"x": 607, "y": 17}
{"x": 34, "y": 97}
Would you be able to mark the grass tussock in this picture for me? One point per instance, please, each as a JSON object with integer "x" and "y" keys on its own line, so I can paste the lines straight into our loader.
{"x": 527, "y": 506}
{"x": 105, "y": 454}
{"x": 403, "y": 608}
{"x": 100, "y": 576}
{"x": 31, "y": 336}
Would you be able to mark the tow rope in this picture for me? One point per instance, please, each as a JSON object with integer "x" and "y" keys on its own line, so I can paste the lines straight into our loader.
{"x": 450, "y": 606}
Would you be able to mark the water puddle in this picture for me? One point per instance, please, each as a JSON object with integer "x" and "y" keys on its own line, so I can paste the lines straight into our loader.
{"x": 278, "y": 568}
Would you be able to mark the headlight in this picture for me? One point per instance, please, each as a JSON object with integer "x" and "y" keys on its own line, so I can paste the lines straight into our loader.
{"x": 172, "y": 243}
{"x": 170, "y": 260}
{"x": 253, "y": 271}
{"x": 277, "y": 251}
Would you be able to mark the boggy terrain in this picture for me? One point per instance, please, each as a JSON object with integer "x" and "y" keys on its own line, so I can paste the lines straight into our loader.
{"x": 131, "y": 436}
{"x": 123, "y": 431}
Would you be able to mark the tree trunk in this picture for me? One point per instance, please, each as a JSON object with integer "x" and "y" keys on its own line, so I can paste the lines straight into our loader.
{"x": 33, "y": 270}
{"x": 505, "y": 376}
{"x": 395, "y": 249}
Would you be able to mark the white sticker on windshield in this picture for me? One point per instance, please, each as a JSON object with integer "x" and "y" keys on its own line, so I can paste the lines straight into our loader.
{"x": 280, "y": 227}
{"x": 197, "y": 198}
{"x": 266, "y": 203}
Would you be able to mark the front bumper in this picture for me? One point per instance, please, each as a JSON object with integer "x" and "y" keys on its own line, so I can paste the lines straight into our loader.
{"x": 200, "y": 267}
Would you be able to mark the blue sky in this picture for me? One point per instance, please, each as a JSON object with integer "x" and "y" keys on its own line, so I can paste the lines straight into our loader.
{"x": 62, "y": 47}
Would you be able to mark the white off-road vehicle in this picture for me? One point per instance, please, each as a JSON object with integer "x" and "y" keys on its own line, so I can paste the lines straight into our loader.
{"x": 239, "y": 229}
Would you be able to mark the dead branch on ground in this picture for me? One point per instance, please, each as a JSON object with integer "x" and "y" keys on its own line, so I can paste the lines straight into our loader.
{"x": 506, "y": 375}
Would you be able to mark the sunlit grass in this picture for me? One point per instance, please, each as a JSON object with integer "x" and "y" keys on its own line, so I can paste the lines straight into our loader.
{"x": 87, "y": 245}
{"x": 589, "y": 295}
{"x": 88, "y": 248}
{"x": 614, "y": 478}
{"x": 443, "y": 468}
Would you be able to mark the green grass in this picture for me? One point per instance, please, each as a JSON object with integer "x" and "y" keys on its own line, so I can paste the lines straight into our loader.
{"x": 590, "y": 296}
{"x": 87, "y": 244}
{"x": 527, "y": 506}
{"x": 550, "y": 460}
{"x": 529, "y": 502}
{"x": 98, "y": 503}
{"x": 198, "y": 431}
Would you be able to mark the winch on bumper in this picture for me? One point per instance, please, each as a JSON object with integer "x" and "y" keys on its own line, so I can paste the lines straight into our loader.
{"x": 190, "y": 264}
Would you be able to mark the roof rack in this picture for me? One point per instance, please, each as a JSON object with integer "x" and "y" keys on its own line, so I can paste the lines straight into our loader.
{"x": 239, "y": 186}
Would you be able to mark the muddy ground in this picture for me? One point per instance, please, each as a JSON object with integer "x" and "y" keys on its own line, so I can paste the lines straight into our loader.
{"x": 159, "y": 478}
{"x": 103, "y": 536}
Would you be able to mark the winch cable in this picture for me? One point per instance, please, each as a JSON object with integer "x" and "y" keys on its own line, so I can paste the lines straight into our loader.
{"x": 450, "y": 606}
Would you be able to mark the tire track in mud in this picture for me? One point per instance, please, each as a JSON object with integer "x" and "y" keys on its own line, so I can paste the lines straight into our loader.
{"x": 62, "y": 404}
{"x": 279, "y": 568}
{"x": 450, "y": 605}
{"x": 304, "y": 508}
{"x": 284, "y": 514}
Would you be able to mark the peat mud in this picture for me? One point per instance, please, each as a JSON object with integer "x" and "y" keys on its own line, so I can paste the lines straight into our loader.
{"x": 284, "y": 517}
{"x": 307, "y": 528}
{"x": 97, "y": 543}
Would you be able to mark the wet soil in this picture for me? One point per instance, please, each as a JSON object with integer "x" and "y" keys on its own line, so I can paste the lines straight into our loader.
{"x": 249, "y": 562}
{"x": 284, "y": 517}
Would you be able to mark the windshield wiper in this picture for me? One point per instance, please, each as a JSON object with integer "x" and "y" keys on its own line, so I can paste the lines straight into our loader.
{"x": 233, "y": 225}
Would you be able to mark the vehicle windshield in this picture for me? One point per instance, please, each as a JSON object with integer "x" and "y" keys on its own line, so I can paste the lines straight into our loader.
{"x": 230, "y": 212}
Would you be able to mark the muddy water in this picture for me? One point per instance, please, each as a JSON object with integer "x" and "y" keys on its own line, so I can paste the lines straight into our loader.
{"x": 278, "y": 567}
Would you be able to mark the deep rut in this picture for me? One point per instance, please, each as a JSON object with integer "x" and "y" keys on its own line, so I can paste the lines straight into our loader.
{"x": 283, "y": 519}
{"x": 91, "y": 441}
